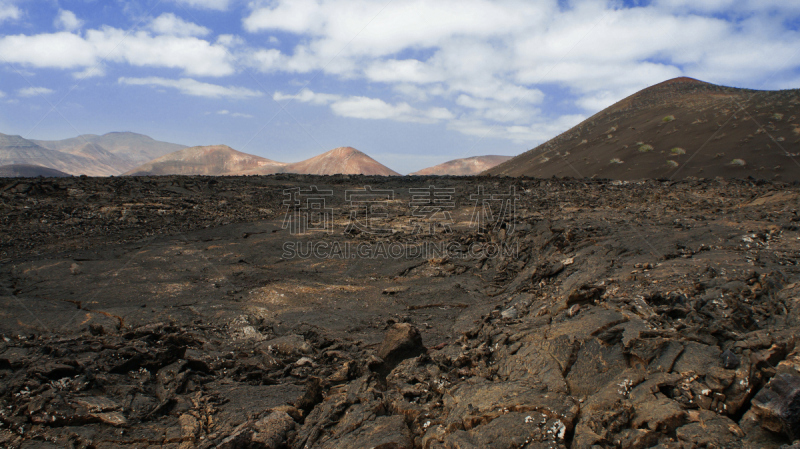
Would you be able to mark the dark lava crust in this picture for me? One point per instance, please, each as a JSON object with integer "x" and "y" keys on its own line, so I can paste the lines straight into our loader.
{"x": 165, "y": 312}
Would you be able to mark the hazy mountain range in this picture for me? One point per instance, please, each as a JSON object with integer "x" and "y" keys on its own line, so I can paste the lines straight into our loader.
{"x": 89, "y": 154}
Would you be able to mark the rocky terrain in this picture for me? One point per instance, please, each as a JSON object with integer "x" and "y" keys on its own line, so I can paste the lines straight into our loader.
{"x": 180, "y": 312}
{"x": 678, "y": 129}
{"x": 463, "y": 167}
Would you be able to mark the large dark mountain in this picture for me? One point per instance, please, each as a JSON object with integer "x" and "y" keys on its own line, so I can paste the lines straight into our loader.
{"x": 677, "y": 129}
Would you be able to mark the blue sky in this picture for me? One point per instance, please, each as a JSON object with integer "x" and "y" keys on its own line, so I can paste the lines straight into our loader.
{"x": 411, "y": 83}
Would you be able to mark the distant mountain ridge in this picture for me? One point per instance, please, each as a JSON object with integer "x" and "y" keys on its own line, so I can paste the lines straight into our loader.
{"x": 212, "y": 160}
{"x": 110, "y": 154}
{"x": 463, "y": 167}
{"x": 132, "y": 146}
{"x": 221, "y": 160}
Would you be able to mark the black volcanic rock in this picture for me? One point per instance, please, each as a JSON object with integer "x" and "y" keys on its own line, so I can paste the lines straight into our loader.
{"x": 167, "y": 311}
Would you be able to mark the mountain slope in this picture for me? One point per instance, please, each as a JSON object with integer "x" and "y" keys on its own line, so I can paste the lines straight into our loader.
{"x": 102, "y": 157}
{"x": 29, "y": 171}
{"x": 463, "y": 167}
{"x": 342, "y": 160}
{"x": 213, "y": 160}
{"x": 677, "y": 129}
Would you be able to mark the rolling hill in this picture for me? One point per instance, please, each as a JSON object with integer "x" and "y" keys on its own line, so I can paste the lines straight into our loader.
{"x": 210, "y": 160}
{"x": 222, "y": 160}
{"x": 463, "y": 167}
{"x": 677, "y": 129}
{"x": 342, "y": 160}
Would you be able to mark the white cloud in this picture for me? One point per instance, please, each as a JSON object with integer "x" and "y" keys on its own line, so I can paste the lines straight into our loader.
{"x": 193, "y": 87}
{"x": 171, "y": 24}
{"x": 307, "y": 96}
{"x": 34, "y": 91}
{"x": 8, "y": 11}
{"x": 408, "y": 70}
{"x": 58, "y": 50}
{"x": 368, "y": 108}
{"x": 219, "y": 5}
{"x": 234, "y": 114}
{"x": 377, "y": 109}
{"x": 69, "y": 51}
{"x": 67, "y": 21}
{"x": 89, "y": 72}
{"x": 229, "y": 40}
{"x": 2, "y": 94}
{"x": 540, "y": 131}
{"x": 728, "y": 6}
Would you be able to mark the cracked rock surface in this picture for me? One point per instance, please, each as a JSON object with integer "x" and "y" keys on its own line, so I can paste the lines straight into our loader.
{"x": 164, "y": 312}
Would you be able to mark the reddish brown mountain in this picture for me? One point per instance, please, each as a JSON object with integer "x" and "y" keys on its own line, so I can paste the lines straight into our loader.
{"x": 677, "y": 129}
{"x": 463, "y": 167}
{"x": 222, "y": 160}
{"x": 342, "y": 160}
{"x": 207, "y": 160}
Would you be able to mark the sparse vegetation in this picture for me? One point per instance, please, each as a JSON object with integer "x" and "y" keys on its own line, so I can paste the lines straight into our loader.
{"x": 645, "y": 148}
{"x": 678, "y": 150}
{"x": 738, "y": 162}
{"x": 616, "y": 160}
{"x": 672, "y": 164}
{"x": 668, "y": 119}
